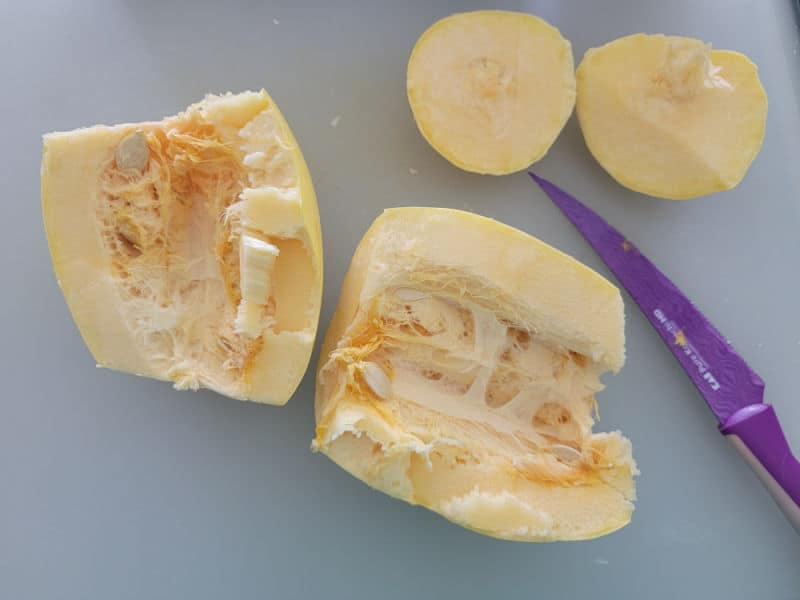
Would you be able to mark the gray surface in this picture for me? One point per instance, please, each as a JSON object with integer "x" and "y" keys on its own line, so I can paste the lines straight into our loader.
{"x": 118, "y": 487}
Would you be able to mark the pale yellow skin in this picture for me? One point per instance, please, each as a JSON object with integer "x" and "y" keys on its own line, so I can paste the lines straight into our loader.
{"x": 456, "y": 341}
{"x": 668, "y": 117}
{"x": 146, "y": 245}
{"x": 491, "y": 90}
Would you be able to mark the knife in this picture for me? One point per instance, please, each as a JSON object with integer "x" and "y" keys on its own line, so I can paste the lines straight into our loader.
{"x": 732, "y": 390}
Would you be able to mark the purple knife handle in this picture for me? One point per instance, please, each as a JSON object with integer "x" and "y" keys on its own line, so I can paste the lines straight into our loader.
{"x": 755, "y": 432}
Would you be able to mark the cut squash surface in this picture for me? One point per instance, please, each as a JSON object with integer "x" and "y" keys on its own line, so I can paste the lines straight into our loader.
{"x": 189, "y": 249}
{"x": 491, "y": 90}
{"x": 459, "y": 373}
{"x": 670, "y": 117}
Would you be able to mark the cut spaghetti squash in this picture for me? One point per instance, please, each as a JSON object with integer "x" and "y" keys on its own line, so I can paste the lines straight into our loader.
{"x": 491, "y": 90}
{"x": 189, "y": 249}
{"x": 459, "y": 373}
{"x": 670, "y": 117}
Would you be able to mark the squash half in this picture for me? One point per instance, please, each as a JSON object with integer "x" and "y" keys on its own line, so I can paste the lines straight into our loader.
{"x": 459, "y": 373}
{"x": 491, "y": 90}
{"x": 670, "y": 117}
{"x": 189, "y": 249}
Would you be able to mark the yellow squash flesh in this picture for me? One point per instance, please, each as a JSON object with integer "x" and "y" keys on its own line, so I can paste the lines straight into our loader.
{"x": 668, "y": 116}
{"x": 189, "y": 249}
{"x": 459, "y": 373}
{"x": 491, "y": 90}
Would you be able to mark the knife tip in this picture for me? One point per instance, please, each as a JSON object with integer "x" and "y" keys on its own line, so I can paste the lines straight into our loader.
{"x": 543, "y": 183}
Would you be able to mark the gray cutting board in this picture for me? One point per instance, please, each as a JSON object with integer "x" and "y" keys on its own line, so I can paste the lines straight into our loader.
{"x": 114, "y": 487}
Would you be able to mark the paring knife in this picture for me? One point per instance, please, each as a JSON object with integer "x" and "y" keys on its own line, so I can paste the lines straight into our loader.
{"x": 732, "y": 390}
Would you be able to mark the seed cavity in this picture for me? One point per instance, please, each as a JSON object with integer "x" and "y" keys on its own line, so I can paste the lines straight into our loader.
{"x": 132, "y": 152}
{"x": 552, "y": 414}
{"x": 377, "y": 380}
{"x": 254, "y": 159}
{"x": 502, "y": 388}
{"x": 410, "y": 295}
{"x": 566, "y": 454}
{"x": 490, "y": 77}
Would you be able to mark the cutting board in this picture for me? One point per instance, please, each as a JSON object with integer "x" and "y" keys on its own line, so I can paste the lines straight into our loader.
{"x": 112, "y": 486}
